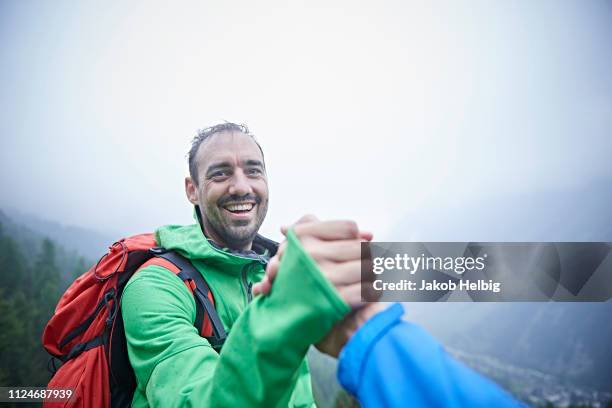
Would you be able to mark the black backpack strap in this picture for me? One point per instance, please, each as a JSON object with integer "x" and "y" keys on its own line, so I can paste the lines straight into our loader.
{"x": 203, "y": 303}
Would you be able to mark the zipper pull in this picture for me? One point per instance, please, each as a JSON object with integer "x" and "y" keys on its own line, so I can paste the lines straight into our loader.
{"x": 250, "y": 292}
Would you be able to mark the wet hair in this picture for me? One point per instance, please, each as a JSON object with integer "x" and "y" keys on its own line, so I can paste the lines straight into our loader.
{"x": 204, "y": 134}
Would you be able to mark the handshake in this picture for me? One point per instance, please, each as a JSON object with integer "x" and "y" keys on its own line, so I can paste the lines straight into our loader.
{"x": 422, "y": 373}
{"x": 336, "y": 248}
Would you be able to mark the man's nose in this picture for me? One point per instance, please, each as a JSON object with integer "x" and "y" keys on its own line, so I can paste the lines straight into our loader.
{"x": 240, "y": 184}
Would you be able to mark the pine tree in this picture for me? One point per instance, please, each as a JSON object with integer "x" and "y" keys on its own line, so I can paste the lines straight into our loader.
{"x": 12, "y": 334}
{"x": 28, "y": 296}
{"x": 12, "y": 264}
{"x": 46, "y": 288}
{"x": 81, "y": 266}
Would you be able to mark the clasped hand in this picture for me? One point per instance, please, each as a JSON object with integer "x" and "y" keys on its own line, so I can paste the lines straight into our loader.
{"x": 336, "y": 248}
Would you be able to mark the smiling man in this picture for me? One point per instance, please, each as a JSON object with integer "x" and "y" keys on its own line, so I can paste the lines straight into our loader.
{"x": 263, "y": 360}
{"x": 228, "y": 180}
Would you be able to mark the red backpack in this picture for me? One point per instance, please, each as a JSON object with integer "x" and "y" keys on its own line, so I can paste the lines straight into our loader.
{"x": 86, "y": 331}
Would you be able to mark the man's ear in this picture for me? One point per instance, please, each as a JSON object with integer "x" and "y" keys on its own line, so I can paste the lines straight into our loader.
{"x": 191, "y": 190}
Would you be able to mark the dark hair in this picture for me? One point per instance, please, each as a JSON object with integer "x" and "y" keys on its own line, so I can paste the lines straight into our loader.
{"x": 204, "y": 134}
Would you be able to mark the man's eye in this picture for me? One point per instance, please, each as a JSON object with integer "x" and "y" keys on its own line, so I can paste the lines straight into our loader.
{"x": 219, "y": 173}
{"x": 254, "y": 171}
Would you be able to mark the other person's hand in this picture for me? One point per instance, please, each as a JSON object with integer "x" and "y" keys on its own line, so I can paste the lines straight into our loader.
{"x": 336, "y": 248}
{"x": 335, "y": 340}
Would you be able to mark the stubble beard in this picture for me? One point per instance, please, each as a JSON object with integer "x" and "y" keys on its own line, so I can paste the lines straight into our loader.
{"x": 234, "y": 235}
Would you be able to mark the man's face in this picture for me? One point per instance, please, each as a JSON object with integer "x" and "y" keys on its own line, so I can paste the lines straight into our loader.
{"x": 231, "y": 190}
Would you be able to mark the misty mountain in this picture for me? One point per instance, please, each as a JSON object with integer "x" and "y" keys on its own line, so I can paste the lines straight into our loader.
{"x": 84, "y": 242}
{"x": 34, "y": 272}
{"x": 579, "y": 214}
{"x": 570, "y": 341}
{"x": 31, "y": 242}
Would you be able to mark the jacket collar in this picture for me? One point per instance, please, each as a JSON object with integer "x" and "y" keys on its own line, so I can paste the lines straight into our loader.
{"x": 262, "y": 247}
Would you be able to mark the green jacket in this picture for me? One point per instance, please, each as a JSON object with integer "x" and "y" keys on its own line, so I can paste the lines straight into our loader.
{"x": 262, "y": 363}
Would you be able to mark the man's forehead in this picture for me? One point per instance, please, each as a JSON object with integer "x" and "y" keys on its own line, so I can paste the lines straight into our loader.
{"x": 228, "y": 147}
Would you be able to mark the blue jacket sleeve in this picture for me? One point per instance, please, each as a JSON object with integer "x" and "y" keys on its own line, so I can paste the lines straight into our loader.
{"x": 389, "y": 362}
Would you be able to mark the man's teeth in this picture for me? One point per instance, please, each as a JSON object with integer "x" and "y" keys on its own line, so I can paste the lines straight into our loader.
{"x": 240, "y": 207}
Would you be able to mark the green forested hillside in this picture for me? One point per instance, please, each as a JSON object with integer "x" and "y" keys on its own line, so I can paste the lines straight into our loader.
{"x": 31, "y": 282}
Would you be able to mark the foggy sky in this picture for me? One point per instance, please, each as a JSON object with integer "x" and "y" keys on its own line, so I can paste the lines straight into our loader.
{"x": 364, "y": 110}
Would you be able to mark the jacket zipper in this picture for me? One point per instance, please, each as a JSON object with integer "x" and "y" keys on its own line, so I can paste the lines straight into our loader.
{"x": 248, "y": 286}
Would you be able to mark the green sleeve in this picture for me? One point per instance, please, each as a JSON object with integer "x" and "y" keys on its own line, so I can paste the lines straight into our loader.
{"x": 263, "y": 354}
{"x": 163, "y": 345}
{"x": 277, "y": 331}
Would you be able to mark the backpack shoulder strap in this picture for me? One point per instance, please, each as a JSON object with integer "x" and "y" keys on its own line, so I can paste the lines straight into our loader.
{"x": 194, "y": 281}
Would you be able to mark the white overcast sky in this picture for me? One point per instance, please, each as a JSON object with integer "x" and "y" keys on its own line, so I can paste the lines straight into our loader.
{"x": 365, "y": 110}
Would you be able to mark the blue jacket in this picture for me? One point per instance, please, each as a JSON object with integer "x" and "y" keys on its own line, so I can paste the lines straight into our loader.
{"x": 389, "y": 362}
